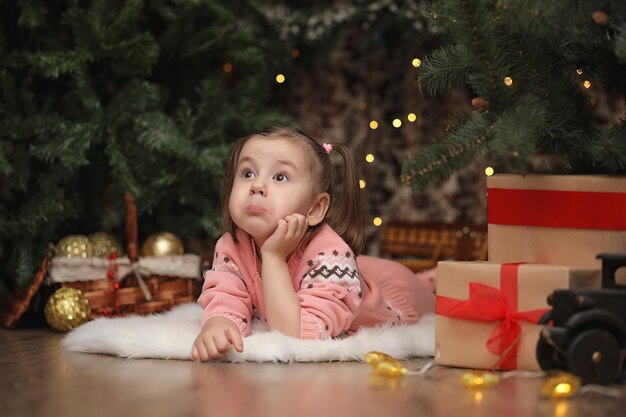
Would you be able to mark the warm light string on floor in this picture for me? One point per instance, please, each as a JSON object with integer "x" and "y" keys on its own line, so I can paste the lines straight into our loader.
{"x": 389, "y": 372}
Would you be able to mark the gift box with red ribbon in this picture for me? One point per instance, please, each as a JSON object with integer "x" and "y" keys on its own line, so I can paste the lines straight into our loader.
{"x": 487, "y": 312}
{"x": 555, "y": 219}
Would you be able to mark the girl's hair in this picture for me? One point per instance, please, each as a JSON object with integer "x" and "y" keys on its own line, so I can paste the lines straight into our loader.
{"x": 344, "y": 214}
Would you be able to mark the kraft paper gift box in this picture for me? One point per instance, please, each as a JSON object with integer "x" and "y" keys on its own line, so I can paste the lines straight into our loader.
{"x": 487, "y": 312}
{"x": 555, "y": 219}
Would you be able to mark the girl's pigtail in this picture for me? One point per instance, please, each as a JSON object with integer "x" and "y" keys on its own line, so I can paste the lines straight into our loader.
{"x": 346, "y": 216}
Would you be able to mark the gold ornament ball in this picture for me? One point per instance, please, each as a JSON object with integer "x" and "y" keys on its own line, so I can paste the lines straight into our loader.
{"x": 66, "y": 309}
{"x": 74, "y": 246}
{"x": 162, "y": 244}
{"x": 104, "y": 245}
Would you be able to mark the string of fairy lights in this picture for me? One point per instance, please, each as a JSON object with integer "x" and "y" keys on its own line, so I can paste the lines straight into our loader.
{"x": 280, "y": 78}
{"x": 397, "y": 123}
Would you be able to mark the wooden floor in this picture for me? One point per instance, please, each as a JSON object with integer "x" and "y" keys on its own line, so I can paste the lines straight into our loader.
{"x": 39, "y": 378}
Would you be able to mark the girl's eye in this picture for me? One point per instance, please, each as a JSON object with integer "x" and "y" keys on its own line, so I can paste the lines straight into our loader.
{"x": 280, "y": 177}
{"x": 246, "y": 173}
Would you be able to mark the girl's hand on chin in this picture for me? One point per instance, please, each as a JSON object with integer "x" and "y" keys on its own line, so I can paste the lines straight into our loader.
{"x": 286, "y": 237}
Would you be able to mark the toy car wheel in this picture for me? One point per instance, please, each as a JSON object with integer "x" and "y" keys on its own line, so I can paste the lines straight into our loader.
{"x": 547, "y": 356}
{"x": 594, "y": 355}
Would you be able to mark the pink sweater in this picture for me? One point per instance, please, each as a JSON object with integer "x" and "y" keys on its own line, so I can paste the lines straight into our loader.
{"x": 335, "y": 291}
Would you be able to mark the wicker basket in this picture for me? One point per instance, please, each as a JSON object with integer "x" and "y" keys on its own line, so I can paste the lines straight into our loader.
{"x": 138, "y": 293}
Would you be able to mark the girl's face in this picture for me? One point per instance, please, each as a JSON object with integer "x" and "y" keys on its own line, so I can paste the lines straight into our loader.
{"x": 273, "y": 179}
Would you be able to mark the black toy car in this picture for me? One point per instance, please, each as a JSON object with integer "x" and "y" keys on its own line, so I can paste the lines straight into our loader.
{"x": 588, "y": 332}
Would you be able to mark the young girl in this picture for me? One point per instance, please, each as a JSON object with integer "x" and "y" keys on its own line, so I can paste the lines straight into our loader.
{"x": 289, "y": 251}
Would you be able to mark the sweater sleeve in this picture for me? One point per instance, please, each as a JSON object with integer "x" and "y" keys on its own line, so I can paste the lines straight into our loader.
{"x": 224, "y": 292}
{"x": 330, "y": 294}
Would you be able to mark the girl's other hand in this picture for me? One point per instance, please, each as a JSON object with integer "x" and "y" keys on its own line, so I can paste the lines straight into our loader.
{"x": 216, "y": 337}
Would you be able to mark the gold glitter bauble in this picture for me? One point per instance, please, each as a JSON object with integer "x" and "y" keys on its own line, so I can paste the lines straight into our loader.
{"x": 66, "y": 309}
{"x": 74, "y": 246}
{"x": 104, "y": 245}
{"x": 162, "y": 244}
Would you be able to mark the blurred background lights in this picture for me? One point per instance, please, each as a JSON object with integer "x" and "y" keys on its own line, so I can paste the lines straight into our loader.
{"x": 411, "y": 117}
{"x": 396, "y": 123}
{"x": 369, "y": 158}
{"x": 377, "y": 221}
{"x": 295, "y": 53}
{"x": 587, "y": 84}
{"x": 280, "y": 78}
{"x": 489, "y": 171}
{"x": 416, "y": 62}
{"x": 508, "y": 81}
{"x": 228, "y": 67}
{"x": 362, "y": 183}
{"x": 373, "y": 124}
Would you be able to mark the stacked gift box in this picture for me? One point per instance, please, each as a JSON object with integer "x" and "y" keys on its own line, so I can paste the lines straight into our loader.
{"x": 544, "y": 233}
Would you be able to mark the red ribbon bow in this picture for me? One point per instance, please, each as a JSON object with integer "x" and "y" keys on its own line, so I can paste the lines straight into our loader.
{"x": 488, "y": 305}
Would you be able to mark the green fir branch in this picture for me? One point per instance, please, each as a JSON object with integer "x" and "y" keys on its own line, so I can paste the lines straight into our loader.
{"x": 68, "y": 146}
{"x": 436, "y": 163}
{"x": 158, "y": 132}
{"x": 34, "y": 13}
{"x": 24, "y": 263}
{"x": 135, "y": 97}
{"x": 609, "y": 150}
{"x": 120, "y": 168}
{"x": 5, "y": 165}
{"x": 126, "y": 19}
{"x": 517, "y": 130}
{"x": 444, "y": 69}
{"x": 134, "y": 56}
{"x": 56, "y": 63}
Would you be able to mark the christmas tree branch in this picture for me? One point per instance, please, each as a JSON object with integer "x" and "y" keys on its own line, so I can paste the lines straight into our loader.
{"x": 436, "y": 163}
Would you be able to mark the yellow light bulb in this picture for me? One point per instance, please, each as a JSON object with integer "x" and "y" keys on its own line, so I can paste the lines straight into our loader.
{"x": 562, "y": 389}
{"x": 375, "y": 357}
{"x": 587, "y": 84}
{"x": 475, "y": 379}
{"x": 411, "y": 117}
{"x": 396, "y": 123}
{"x": 391, "y": 368}
{"x": 280, "y": 78}
{"x": 373, "y": 125}
{"x": 377, "y": 221}
{"x": 563, "y": 385}
{"x": 416, "y": 62}
{"x": 362, "y": 183}
{"x": 369, "y": 158}
{"x": 489, "y": 171}
{"x": 579, "y": 71}
{"x": 508, "y": 81}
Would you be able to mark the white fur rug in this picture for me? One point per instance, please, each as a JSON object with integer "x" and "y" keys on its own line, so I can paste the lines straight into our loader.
{"x": 170, "y": 336}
